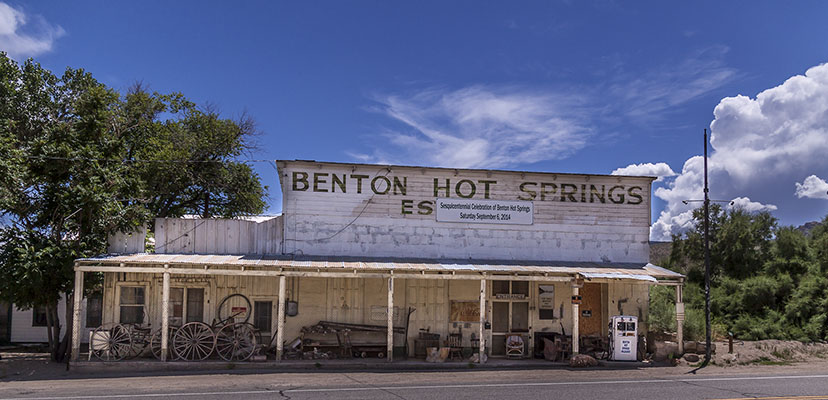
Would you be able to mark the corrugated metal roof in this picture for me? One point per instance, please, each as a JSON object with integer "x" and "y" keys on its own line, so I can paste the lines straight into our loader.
{"x": 615, "y": 275}
{"x": 332, "y": 264}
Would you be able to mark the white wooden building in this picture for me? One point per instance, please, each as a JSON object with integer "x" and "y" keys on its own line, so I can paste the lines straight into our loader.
{"x": 21, "y": 326}
{"x": 484, "y": 253}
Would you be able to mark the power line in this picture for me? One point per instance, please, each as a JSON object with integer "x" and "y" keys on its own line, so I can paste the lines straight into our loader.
{"x": 54, "y": 158}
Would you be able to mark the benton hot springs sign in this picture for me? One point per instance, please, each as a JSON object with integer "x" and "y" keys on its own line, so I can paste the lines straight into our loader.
{"x": 468, "y": 199}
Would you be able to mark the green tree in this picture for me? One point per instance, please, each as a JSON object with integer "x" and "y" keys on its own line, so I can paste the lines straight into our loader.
{"x": 79, "y": 162}
{"x": 740, "y": 243}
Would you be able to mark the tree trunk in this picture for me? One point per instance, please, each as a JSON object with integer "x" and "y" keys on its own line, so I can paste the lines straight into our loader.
{"x": 64, "y": 348}
{"x": 49, "y": 324}
{"x": 52, "y": 311}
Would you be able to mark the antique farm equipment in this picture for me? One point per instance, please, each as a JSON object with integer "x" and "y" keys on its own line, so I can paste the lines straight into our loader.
{"x": 230, "y": 336}
{"x": 110, "y": 342}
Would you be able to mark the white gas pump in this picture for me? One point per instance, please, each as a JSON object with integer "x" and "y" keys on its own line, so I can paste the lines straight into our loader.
{"x": 624, "y": 338}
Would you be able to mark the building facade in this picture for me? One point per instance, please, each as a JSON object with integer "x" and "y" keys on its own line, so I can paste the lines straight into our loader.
{"x": 463, "y": 252}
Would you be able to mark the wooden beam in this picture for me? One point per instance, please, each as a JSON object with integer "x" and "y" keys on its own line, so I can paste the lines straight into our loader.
{"x": 390, "y": 320}
{"x": 575, "y": 322}
{"x": 312, "y": 274}
{"x": 280, "y": 329}
{"x": 76, "y": 313}
{"x": 165, "y": 314}
{"x": 680, "y": 320}
{"x": 482, "y": 330}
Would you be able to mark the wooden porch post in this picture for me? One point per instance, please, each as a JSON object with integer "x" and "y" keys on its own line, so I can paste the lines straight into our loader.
{"x": 280, "y": 329}
{"x": 76, "y": 313}
{"x": 680, "y": 319}
{"x": 390, "y": 320}
{"x": 165, "y": 313}
{"x": 482, "y": 344}
{"x": 576, "y": 311}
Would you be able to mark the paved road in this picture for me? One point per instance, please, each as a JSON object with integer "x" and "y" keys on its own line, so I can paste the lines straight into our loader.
{"x": 648, "y": 383}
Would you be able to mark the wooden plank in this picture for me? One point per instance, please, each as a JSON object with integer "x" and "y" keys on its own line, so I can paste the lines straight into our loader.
{"x": 592, "y": 324}
{"x": 188, "y": 232}
{"x": 243, "y": 237}
{"x": 221, "y": 236}
{"x": 261, "y": 232}
{"x": 160, "y": 235}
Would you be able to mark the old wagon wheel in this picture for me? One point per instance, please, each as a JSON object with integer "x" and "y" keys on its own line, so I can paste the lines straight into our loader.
{"x": 194, "y": 341}
{"x": 141, "y": 338}
{"x": 111, "y": 342}
{"x": 236, "y": 342}
{"x": 234, "y": 308}
{"x": 155, "y": 344}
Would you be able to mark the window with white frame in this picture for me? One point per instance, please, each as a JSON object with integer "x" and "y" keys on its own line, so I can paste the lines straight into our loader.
{"x": 132, "y": 304}
{"x": 186, "y": 305}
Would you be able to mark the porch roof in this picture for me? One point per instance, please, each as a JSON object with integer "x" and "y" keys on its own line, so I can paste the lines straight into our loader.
{"x": 335, "y": 266}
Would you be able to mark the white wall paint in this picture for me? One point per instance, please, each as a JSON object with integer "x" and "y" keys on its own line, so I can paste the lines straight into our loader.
{"x": 22, "y": 330}
{"x": 322, "y": 220}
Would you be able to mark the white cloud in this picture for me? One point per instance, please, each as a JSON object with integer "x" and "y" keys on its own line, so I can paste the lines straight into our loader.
{"x": 672, "y": 224}
{"x": 502, "y": 126}
{"x": 760, "y": 146}
{"x": 24, "y": 35}
{"x": 744, "y": 203}
{"x": 644, "y": 96}
{"x": 812, "y": 187}
{"x": 483, "y": 127}
{"x": 660, "y": 170}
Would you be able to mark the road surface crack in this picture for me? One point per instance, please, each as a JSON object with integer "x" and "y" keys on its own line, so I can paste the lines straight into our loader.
{"x": 743, "y": 394}
{"x": 374, "y": 386}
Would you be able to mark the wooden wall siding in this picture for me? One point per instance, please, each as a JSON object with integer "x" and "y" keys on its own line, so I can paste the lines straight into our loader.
{"x": 218, "y": 236}
{"x": 592, "y": 301}
{"x": 629, "y": 299}
{"x": 359, "y": 224}
{"x": 430, "y": 298}
{"x": 346, "y": 300}
{"x": 351, "y": 300}
{"x": 126, "y": 243}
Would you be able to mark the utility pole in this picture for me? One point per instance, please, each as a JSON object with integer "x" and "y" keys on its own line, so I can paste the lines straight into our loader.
{"x": 706, "y": 258}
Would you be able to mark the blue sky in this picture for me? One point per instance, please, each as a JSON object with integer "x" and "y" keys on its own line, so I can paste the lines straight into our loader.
{"x": 589, "y": 87}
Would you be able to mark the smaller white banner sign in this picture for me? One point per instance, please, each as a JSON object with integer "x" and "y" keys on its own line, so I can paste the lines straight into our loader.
{"x": 485, "y": 211}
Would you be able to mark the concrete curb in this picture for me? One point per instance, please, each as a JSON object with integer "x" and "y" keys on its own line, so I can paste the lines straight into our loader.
{"x": 333, "y": 366}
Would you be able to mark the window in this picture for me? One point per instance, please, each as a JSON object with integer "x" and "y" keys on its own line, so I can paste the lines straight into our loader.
{"x": 186, "y": 305}
{"x": 39, "y": 316}
{"x": 510, "y": 290}
{"x": 195, "y": 305}
{"x": 500, "y": 287}
{"x": 520, "y": 287}
{"x": 94, "y": 310}
{"x": 176, "y": 305}
{"x": 132, "y": 304}
{"x": 262, "y": 313}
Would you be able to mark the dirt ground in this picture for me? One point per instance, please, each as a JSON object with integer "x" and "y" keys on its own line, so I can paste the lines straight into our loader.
{"x": 766, "y": 352}
{"x": 21, "y": 364}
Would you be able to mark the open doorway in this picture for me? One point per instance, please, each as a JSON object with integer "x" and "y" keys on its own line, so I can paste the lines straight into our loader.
{"x": 510, "y": 313}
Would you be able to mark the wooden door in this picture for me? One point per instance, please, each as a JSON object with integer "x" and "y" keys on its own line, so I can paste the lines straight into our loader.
{"x": 591, "y": 309}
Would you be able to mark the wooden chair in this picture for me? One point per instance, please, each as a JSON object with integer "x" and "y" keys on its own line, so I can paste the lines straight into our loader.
{"x": 563, "y": 344}
{"x": 455, "y": 345}
{"x": 514, "y": 346}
